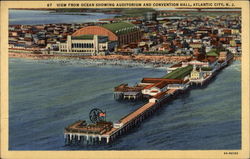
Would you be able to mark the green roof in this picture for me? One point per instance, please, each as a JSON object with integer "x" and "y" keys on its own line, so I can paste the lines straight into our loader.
{"x": 179, "y": 73}
{"x": 86, "y": 37}
{"x": 120, "y": 27}
{"x": 83, "y": 37}
{"x": 206, "y": 68}
{"x": 212, "y": 53}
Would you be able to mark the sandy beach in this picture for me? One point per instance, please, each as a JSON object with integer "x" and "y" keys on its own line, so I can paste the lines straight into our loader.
{"x": 160, "y": 59}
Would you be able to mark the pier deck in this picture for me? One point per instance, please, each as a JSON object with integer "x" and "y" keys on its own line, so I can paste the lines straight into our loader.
{"x": 130, "y": 120}
{"x": 135, "y": 114}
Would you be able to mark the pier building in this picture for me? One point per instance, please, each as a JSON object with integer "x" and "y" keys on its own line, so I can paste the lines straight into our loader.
{"x": 155, "y": 88}
{"x": 100, "y": 40}
{"x": 196, "y": 74}
{"x": 203, "y": 63}
{"x": 123, "y": 91}
{"x": 121, "y": 32}
{"x": 182, "y": 72}
{"x": 177, "y": 79}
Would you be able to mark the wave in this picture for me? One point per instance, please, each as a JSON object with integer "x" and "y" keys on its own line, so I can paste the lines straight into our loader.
{"x": 103, "y": 63}
{"x": 235, "y": 66}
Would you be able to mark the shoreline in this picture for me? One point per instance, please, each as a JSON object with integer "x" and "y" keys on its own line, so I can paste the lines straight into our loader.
{"x": 151, "y": 61}
{"x": 155, "y": 60}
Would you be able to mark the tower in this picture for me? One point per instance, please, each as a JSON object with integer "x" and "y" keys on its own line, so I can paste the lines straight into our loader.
{"x": 69, "y": 43}
{"x": 96, "y": 44}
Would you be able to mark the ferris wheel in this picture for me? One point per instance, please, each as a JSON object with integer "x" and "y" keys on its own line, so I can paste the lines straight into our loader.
{"x": 97, "y": 115}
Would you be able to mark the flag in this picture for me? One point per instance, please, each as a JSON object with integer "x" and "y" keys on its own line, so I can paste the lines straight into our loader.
{"x": 102, "y": 114}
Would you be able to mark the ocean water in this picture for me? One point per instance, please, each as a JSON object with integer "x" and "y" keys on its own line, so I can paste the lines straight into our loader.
{"x": 35, "y": 17}
{"x": 47, "y": 96}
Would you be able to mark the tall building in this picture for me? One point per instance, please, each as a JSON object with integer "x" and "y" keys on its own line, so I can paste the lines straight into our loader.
{"x": 150, "y": 16}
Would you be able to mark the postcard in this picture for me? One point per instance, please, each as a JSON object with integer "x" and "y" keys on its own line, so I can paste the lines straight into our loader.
{"x": 124, "y": 79}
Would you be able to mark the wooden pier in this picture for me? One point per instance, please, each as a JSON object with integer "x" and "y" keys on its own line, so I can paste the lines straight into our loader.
{"x": 75, "y": 134}
{"x": 105, "y": 132}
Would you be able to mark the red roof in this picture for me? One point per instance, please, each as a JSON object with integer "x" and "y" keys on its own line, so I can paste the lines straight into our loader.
{"x": 159, "y": 95}
{"x": 154, "y": 91}
{"x": 157, "y": 80}
{"x": 149, "y": 86}
{"x": 161, "y": 84}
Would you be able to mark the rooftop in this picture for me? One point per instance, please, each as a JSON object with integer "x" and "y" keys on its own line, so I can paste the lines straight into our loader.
{"x": 82, "y": 127}
{"x": 179, "y": 73}
{"x": 120, "y": 27}
{"x": 159, "y": 95}
{"x": 86, "y": 37}
{"x": 83, "y": 37}
{"x": 161, "y": 84}
{"x": 206, "y": 68}
{"x": 213, "y": 52}
{"x": 156, "y": 80}
{"x": 126, "y": 88}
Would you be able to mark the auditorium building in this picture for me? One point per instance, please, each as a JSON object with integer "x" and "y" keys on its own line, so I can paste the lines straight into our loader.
{"x": 87, "y": 45}
{"x": 95, "y": 40}
{"x": 122, "y": 32}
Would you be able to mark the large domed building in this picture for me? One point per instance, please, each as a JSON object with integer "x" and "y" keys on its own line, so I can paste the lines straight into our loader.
{"x": 98, "y": 40}
{"x": 122, "y": 32}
